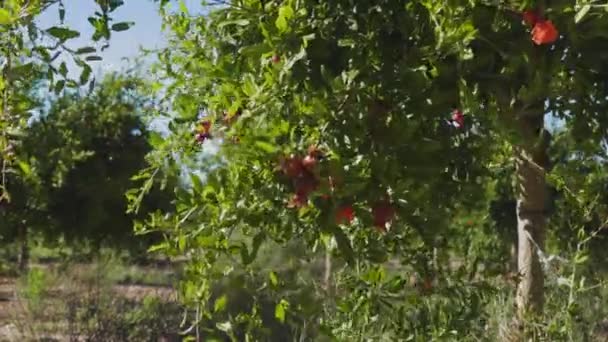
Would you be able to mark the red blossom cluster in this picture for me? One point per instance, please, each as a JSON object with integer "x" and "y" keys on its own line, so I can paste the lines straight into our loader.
{"x": 301, "y": 171}
{"x": 345, "y": 214}
{"x": 543, "y": 31}
{"x": 303, "y": 174}
{"x": 383, "y": 212}
{"x": 203, "y": 131}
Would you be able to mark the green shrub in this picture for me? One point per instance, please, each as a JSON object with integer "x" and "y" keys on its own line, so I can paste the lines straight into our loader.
{"x": 33, "y": 288}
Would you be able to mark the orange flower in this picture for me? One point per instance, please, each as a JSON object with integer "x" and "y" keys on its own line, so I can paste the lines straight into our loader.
{"x": 544, "y": 33}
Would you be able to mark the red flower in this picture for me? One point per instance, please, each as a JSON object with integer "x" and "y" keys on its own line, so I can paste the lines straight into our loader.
{"x": 345, "y": 214}
{"x": 309, "y": 162}
{"x": 305, "y": 185}
{"x": 276, "y": 59}
{"x": 206, "y": 126}
{"x": 201, "y": 137}
{"x": 382, "y": 213}
{"x": 544, "y": 32}
{"x": 458, "y": 118}
{"x": 292, "y": 166}
{"x": 530, "y": 17}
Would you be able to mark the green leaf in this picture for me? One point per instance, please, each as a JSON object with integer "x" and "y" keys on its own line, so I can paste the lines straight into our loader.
{"x": 59, "y": 86}
{"x": 347, "y": 42}
{"x": 280, "y": 309}
{"x": 155, "y": 139}
{"x": 298, "y": 56}
{"x": 92, "y": 85}
{"x": 181, "y": 243}
{"x": 85, "y": 75}
{"x": 183, "y": 8}
{"x": 158, "y": 247}
{"x": 220, "y": 303}
{"x": 93, "y": 58}
{"x": 245, "y": 258}
{"x": 344, "y": 245}
{"x": 123, "y": 26}
{"x": 249, "y": 86}
{"x": 285, "y": 13}
{"x": 274, "y": 280}
{"x": 238, "y": 22}
{"x": 22, "y": 70}
{"x": 25, "y": 168}
{"x": 5, "y": 17}
{"x": 63, "y": 69}
{"x": 248, "y": 257}
{"x": 114, "y": 4}
{"x": 581, "y": 13}
{"x": 255, "y": 50}
{"x": 266, "y": 146}
{"x": 62, "y": 33}
{"x": 224, "y": 326}
{"x": 86, "y": 49}
{"x": 61, "y": 12}
{"x": 196, "y": 182}
{"x": 581, "y": 258}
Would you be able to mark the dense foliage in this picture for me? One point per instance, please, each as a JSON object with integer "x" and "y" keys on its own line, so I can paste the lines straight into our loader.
{"x": 397, "y": 136}
{"x": 78, "y": 159}
{"x": 354, "y": 170}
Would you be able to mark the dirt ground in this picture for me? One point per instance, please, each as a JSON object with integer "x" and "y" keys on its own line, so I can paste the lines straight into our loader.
{"x": 11, "y": 307}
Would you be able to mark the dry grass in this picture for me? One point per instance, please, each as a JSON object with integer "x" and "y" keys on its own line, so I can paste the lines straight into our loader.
{"x": 84, "y": 303}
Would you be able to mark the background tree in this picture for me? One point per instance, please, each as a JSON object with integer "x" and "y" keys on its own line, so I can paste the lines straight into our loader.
{"x": 26, "y": 51}
{"x": 80, "y": 156}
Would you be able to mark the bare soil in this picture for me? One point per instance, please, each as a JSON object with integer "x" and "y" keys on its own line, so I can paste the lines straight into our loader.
{"x": 12, "y": 307}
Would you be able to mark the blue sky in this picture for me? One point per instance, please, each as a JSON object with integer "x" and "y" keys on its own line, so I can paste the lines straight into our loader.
{"x": 146, "y": 33}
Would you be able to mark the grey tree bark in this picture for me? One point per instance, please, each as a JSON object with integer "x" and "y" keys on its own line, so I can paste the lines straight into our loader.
{"x": 532, "y": 162}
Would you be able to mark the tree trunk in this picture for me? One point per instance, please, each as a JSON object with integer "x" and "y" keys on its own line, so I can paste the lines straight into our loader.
{"x": 23, "y": 259}
{"x": 531, "y": 162}
{"x": 327, "y": 281}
